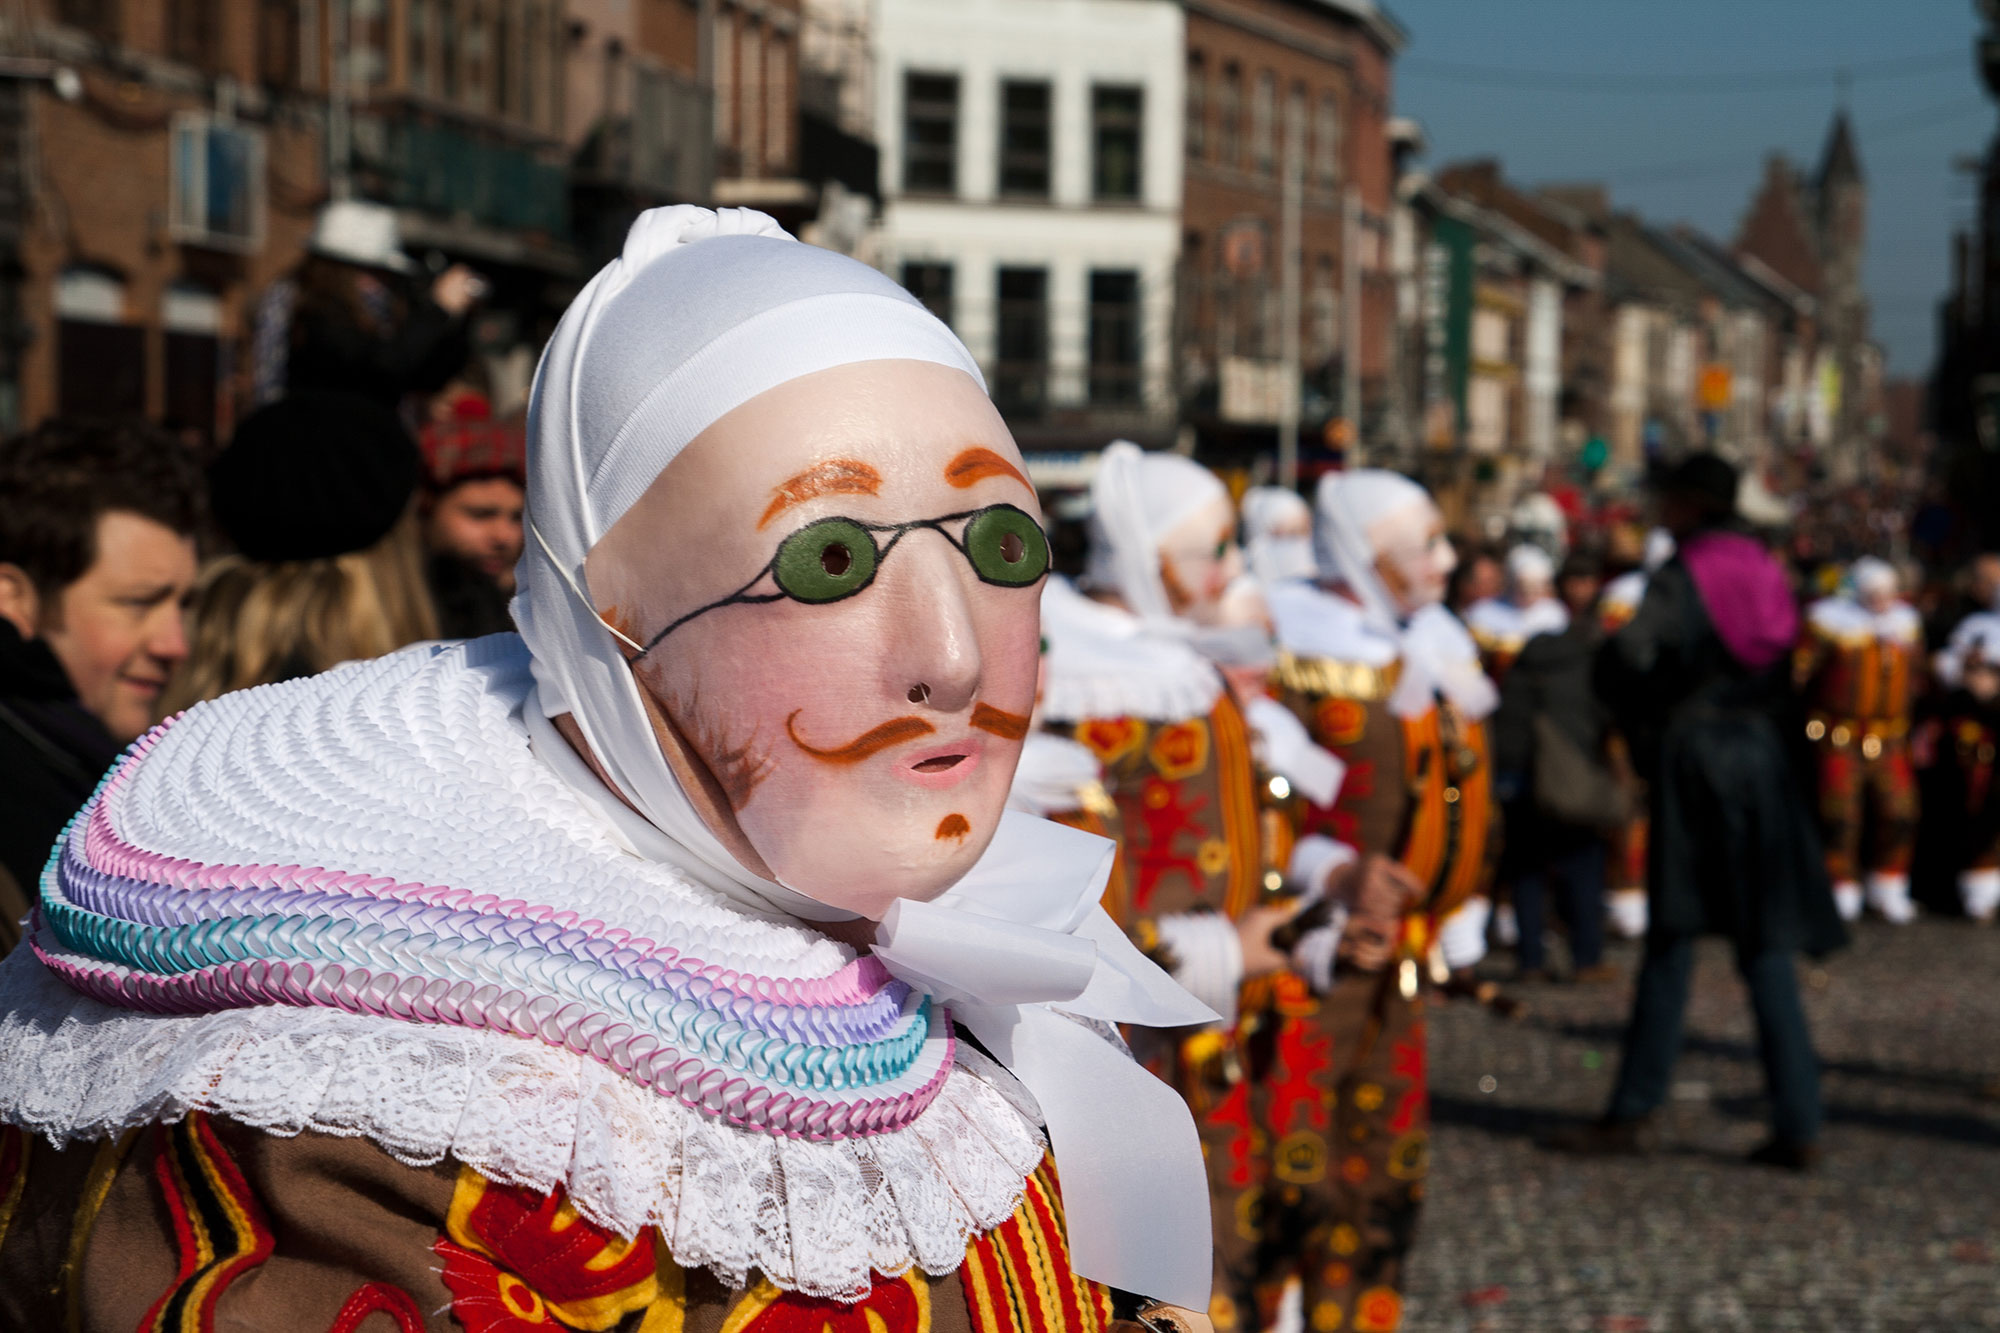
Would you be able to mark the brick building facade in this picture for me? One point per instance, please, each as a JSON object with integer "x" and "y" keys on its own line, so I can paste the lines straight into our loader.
{"x": 1256, "y": 71}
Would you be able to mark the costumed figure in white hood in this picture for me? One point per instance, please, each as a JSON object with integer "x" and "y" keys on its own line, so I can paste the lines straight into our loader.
{"x": 1502, "y": 626}
{"x": 1968, "y": 671}
{"x": 1126, "y": 679}
{"x": 670, "y": 965}
{"x": 1858, "y": 662}
{"x": 1390, "y": 682}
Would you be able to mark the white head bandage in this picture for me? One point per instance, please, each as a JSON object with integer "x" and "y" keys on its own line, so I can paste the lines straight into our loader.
{"x": 702, "y": 312}
{"x": 1137, "y": 498}
{"x": 1275, "y": 556}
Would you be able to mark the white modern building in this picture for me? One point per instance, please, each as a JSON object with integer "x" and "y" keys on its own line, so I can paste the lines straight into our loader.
{"x": 1031, "y": 174}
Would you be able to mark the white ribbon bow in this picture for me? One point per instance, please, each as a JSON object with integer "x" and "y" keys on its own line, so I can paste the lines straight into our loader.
{"x": 1013, "y": 948}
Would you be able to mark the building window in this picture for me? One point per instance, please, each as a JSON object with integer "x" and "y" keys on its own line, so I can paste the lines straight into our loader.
{"x": 1326, "y": 141}
{"x": 1114, "y": 337}
{"x": 1197, "y": 105}
{"x": 99, "y": 18}
{"x": 191, "y": 318}
{"x": 1024, "y": 138}
{"x": 1263, "y": 123}
{"x": 930, "y": 133}
{"x": 778, "y": 114}
{"x": 192, "y": 31}
{"x": 215, "y": 194}
{"x": 1229, "y": 127}
{"x": 100, "y": 359}
{"x": 931, "y": 284}
{"x": 1116, "y": 121}
{"x": 446, "y": 22}
{"x": 278, "y": 43}
{"x": 1021, "y": 370}
{"x": 506, "y": 78}
{"x": 725, "y": 79}
{"x": 752, "y": 98}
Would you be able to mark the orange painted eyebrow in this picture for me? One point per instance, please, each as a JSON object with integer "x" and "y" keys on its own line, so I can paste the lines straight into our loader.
{"x": 836, "y": 476}
{"x": 976, "y": 465}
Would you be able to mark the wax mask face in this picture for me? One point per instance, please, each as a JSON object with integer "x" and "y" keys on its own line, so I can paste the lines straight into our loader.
{"x": 1412, "y": 555}
{"x": 838, "y": 585}
{"x": 1199, "y": 559}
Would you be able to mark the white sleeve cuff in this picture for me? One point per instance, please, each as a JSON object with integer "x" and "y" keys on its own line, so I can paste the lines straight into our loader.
{"x": 1284, "y": 746}
{"x": 1314, "y": 954}
{"x": 1462, "y": 937}
{"x": 1208, "y": 958}
{"x": 1314, "y": 859}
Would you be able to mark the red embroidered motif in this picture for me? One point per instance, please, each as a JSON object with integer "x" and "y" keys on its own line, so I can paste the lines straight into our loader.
{"x": 1233, "y": 1113}
{"x": 1164, "y": 817}
{"x": 379, "y": 1298}
{"x": 1303, "y": 1051}
{"x": 1407, "y": 1058}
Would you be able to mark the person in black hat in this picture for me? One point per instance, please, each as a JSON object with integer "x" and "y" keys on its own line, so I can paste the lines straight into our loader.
{"x": 315, "y": 493}
{"x": 1699, "y": 682}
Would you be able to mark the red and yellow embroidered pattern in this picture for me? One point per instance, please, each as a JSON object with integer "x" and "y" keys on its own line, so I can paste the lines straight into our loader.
{"x": 892, "y": 1305}
{"x": 518, "y": 1260}
{"x": 1341, "y": 721}
{"x": 1111, "y": 738}
{"x": 1017, "y": 1276}
{"x": 219, "y": 1229}
{"x": 1180, "y": 749}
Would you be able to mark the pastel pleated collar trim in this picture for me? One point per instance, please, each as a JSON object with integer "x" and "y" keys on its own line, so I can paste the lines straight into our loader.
{"x": 360, "y": 904}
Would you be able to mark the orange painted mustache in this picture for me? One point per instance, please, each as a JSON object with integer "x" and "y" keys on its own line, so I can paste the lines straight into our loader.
{"x": 1007, "y": 726}
{"x": 901, "y": 730}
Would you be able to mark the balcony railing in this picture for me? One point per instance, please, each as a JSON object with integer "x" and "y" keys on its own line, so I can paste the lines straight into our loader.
{"x": 419, "y": 160}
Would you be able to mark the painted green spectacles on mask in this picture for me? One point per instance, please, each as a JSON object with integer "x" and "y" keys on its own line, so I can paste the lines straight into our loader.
{"x": 833, "y": 558}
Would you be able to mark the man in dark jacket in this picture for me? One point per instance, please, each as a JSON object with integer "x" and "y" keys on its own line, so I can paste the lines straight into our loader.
{"x": 97, "y": 557}
{"x": 1697, "y": 681}
{"x": 1551, "y": 680}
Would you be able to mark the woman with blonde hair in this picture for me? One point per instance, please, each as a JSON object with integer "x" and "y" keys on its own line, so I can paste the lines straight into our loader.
{"x": 315, "y": 493}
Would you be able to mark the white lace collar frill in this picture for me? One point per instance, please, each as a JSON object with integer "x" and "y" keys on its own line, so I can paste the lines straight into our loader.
{"x": 359, "y": 904}
{"x": 1105, "y": 662}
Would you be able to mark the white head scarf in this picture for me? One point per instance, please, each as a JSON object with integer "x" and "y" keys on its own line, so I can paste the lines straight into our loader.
{"x": 702, "y": 312}
{"x": 1136, "y": 499}
{"x": 1871, "y": 576}
{"x": 1438, "y": 656}
{"x": 1529, "y": 566}
{"x": 1274, "y": 559}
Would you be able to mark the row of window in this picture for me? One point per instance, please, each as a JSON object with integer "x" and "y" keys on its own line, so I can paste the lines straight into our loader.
{"x": 1216, "y": 132}
{"x": 1027, "y": 139}
{"x": 1019, "y": 381}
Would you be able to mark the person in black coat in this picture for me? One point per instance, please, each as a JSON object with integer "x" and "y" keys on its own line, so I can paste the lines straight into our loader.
{"x": 1697, "y": 680}
{"x": 1551, "y": 679}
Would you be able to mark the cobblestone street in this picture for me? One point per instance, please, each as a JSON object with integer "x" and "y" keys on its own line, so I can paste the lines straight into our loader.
{"x": 1899, "y": 1229}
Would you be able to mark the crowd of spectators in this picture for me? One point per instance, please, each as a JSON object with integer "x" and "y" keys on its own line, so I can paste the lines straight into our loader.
{"x": 368, "y": 500}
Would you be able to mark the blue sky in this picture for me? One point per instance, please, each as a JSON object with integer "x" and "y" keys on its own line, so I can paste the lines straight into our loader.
{"x": 1675, "y": 105}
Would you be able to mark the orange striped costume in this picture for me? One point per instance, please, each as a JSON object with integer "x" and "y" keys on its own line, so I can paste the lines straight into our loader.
{"x": 1858, "y": 672}
{"x": 1346, "y": 1106}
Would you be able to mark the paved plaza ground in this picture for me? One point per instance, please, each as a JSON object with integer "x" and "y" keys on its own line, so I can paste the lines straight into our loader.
{"x": 1900, "y": 1229}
